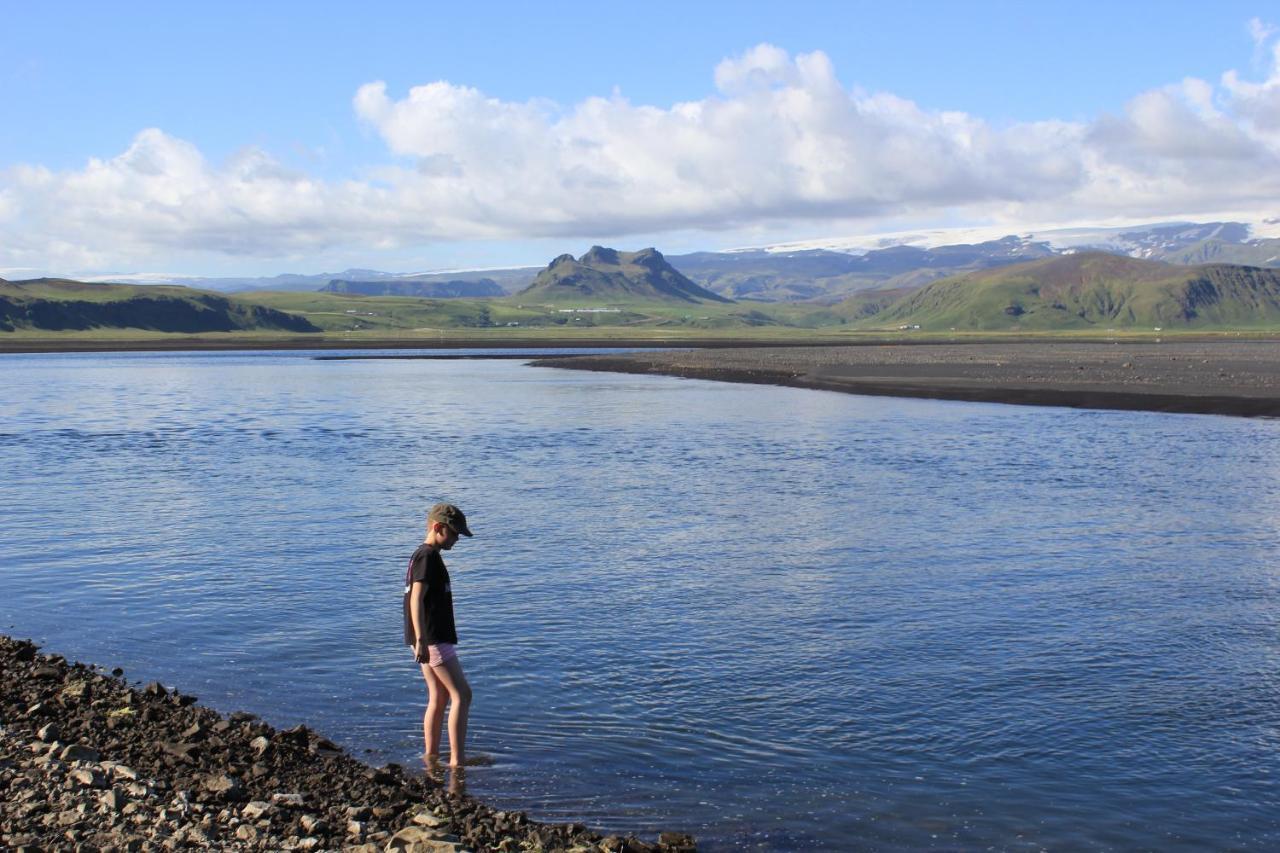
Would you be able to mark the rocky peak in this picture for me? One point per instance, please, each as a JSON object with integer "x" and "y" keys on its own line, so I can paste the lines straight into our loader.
{"x": 600, "y": 256}
{"x": 650, "y": 258}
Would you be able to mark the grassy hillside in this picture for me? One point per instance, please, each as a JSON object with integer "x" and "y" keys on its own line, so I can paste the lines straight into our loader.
{"x": 61, "y": 305}
{"x": 1091, "y": 290}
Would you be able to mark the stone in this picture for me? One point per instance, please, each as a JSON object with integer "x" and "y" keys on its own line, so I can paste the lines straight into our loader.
{"x": 89, "y": 778}
{"x": 260, "y": 745}
{"x": 225, "y": 786}
{"x": 184, "y": 751}
{"x": 247, "y": 832}
{"x": 255, "y": 809}
{"x": 288, "y": 800}
{"x": 414, "y": 839}
{"x": 49, "y": 733}
{"x": 311, "y": 824}
{"x": 678, "y": 841}
{"x": 120, "y": 771}
{"x": 429, "y": 819}
{"x": 78, "y": 752}
{"x": 113, "y": 799}
{"x": 355, "y": 828}
{"x": 74, "y": 692}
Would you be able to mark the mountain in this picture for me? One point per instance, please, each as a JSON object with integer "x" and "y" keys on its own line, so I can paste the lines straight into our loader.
{"x": 820, "y": 274}
{"x": 449, "y": 289}
{"x": 62, "y": 305}
{"x": 609, "y": 275}
{"x": 509, "y": 280}
{"x": 1089, "y": 290}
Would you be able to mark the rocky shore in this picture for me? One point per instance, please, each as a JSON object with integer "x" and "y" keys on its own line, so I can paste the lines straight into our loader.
{"x": 1226, "y": 377}
{"x": 88, "y": 763}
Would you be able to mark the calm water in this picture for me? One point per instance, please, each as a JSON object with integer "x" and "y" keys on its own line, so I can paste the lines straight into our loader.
{"x": 773, "y": 617}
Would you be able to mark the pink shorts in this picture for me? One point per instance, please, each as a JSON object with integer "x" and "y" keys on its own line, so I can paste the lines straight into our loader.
{"x": 440, "y": 653}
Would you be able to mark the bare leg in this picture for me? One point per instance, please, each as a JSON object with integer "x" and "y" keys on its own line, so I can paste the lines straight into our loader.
{"x": 451, "y": 676}
{"x": 434, "y": 716}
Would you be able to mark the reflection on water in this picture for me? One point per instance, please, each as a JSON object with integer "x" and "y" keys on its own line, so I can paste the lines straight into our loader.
{"x": 771, "y": 617}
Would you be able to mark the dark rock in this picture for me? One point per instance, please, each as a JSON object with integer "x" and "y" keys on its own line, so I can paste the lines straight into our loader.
{"x": 46, "y": 672}
{"x": 77, "y": 752}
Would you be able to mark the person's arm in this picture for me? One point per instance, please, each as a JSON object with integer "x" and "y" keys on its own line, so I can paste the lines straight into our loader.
{"x": 417, "y": 614}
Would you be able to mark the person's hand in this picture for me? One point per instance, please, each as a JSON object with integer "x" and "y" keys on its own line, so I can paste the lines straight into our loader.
{"x": 420, "y": 652}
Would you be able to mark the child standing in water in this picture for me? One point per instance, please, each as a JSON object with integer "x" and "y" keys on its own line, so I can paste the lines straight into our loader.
{"x": 429, "y": 629}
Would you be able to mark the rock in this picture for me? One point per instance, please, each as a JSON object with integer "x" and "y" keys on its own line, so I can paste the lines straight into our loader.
{"x": 311, "y": 824}
{"x": 255, "y": 809}
{"x": 413, "y": 839}
{"x": 155, "y": 688}
{"x": 74, "y": 692}
{"x": 355, "y": 828}
{"x": 224, "y": 786}
{"x": 49, "y": 733}
{"x": 184, "y": 751}
{"x": 677, "y": 841}
{"x": 46, "y": 673}
{"x": 247, "y": 832}
{"x": 429, "y": 819}
{"x": 77, "y": 752}
{"x": 120, "y": 771}
{"x": 89, "y": 778}
{"x": 288, "y": 800}
{"x": 260, "y": 745}
{"x": 113, "y": 800}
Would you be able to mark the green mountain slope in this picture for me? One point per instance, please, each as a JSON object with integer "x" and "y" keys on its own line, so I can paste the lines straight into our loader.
{"x": 607, "y": 275}
{"x": 62, "y": 305}
{"x": 1089, "y": 290}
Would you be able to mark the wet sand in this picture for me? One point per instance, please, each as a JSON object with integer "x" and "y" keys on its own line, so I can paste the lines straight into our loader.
{"x": 1239, "y": 378}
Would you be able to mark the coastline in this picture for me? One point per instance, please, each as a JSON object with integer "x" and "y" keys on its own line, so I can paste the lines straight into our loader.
{"x": 88, "y": 762}
{"x": 1223, "y": 377}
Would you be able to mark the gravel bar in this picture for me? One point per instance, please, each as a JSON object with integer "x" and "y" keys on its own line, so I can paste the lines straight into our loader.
{"x": 88, "y": 763}
{"x": 1220, "y": 377}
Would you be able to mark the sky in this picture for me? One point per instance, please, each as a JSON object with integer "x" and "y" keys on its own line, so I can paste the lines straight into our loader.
{"x": 256, "y": 139}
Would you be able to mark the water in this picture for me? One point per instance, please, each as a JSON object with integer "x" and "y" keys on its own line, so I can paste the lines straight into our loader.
{"x": 776, "y": 618}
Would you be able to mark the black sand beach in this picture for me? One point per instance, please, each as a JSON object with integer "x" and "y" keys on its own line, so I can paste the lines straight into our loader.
{"x": 1209, "y": 377}
{"x": 88, "y": 763}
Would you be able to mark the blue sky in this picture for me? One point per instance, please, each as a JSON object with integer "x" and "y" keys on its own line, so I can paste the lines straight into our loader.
{"x": 254, "y": 139}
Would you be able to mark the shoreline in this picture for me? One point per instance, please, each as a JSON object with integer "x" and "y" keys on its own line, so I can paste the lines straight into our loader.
{"x": 85, "y": 759}
{"x": 198, "y": 343}
{"x": 1236, "y": 378}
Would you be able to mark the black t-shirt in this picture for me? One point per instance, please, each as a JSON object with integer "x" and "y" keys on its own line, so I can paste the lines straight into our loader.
{"x": 426, "y": 565}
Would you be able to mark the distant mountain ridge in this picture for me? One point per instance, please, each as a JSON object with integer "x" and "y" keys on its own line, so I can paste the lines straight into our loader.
{"x": 828, "y": 272}
{"x": 607, "y": 274}
{"x": 450, "y": 289}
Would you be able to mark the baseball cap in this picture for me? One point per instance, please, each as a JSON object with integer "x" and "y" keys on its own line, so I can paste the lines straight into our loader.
{"x": 450, "y": 516}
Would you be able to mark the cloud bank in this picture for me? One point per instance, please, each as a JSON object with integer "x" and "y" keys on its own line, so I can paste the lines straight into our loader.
{"x": 781, "y": 139}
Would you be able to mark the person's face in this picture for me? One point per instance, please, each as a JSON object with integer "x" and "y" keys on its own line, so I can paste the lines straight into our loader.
{"x": 446, "y": 536}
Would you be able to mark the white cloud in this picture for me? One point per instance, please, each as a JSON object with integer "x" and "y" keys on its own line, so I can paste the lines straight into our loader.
{"x": 780, "y": 140}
